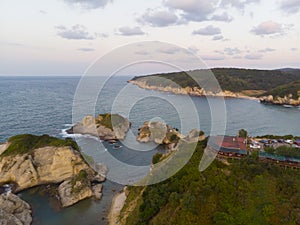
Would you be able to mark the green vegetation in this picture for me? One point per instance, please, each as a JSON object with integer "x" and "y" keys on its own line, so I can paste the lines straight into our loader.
{"x": 284, "y": 151}
{"x": 156, "y": 158}
{"x": 109, "y": 120}
{"x": 244, "y": 192}
{"x": 243, "y": 133}
{"x": 286, "y": 89}
{"x": 275, "y": 82}
{"x": 79, "y": 181}
{"x": 25, "y": 143}
{"x": 285, "y": 137}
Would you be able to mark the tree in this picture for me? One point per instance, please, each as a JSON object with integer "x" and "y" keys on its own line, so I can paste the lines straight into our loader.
{"x": 243, "y": 133}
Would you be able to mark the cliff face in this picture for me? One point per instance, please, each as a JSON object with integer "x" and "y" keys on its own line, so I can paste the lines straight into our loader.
{"x": 45, "y": 165}
{"x": 194, "y": 91}
{"x": 106, "y": 127}
{"x": 14, "y": 211}
{"x": 52, "y": 165}
{"x": 286, "y": 100}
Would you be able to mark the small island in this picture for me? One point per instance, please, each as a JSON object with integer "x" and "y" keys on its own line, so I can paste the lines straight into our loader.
{"x": 279, "y": 87}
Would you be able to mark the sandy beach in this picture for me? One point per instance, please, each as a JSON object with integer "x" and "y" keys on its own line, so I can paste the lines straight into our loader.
{"x": 116, "y": 207}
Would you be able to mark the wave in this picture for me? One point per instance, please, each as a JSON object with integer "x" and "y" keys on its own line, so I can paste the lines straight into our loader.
{"x": 64, "y": 134}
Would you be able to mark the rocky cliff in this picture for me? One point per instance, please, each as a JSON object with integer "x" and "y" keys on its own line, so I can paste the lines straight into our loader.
{"x": 286, "y": 100}
{"x": 194, "y": 91}
{"x": 14, "y": 211}
{"x": 49, "y": 165}
{"x": 105, "y": 126}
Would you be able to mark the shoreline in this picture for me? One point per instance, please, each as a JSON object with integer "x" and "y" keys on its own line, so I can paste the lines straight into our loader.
{"x": 183, "y": 91}
{"x": 117, "y": 205}
{"x": 200, "y": 93}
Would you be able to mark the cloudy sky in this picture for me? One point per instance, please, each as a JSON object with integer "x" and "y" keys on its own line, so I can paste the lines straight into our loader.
{"x": 63, "y": 37}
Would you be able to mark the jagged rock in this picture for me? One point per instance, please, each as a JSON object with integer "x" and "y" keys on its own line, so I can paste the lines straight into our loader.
{"x": 97, "y": 191}
{"x": 101, "y": 169}
{"x": 196, "y": 135}
{"x": 43, "y": 166}
{"x": 14, "y": 211}
{"x": 70, "y": 193}
{"x": 117, "y": 129}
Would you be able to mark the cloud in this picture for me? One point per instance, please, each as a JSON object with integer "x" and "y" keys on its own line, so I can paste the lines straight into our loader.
{"x": 290, "y": 6}
{"x": 239, "y": 4}
{"x": 267, "y": 50}
{"x": 222, "y": 17}
{"x": 86, "y": 49}
{"x": 130, "y": 31}
{"x": 76, "y": 32}
{"x": 193, "y": 49}
{"x": 170, "y": 50}
{"x": 232, "y": 51}
{"x": 208, "y": 31}
{"x": 43, "y": 12}
{"x": 217, "y": 37}
{"x": 193, "y": 10}
{"x": 268, "y": 28}
{"x": 89, "y": 4}
{"x": 294, "y": 49}
{"x": 254, "y": 56}
{"x": 142, "y": 52}
{"x": 213, "y": 57}
{"x": 159, "y": 18}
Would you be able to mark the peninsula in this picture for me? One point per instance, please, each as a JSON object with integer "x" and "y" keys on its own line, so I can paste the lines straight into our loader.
{"x": 281, "y": 87}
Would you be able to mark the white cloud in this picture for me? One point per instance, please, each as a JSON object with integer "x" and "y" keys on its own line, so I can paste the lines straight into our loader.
{"x": 217, "y": 37}
{"x": 159, "y": 18}
{"x": 232, "y": 51}
{"x": 222, "y": 17}
{"x": 130, "y": 31}
{"x": 267, "y": 50}
{"x": 213, "y": 57}
{"x": 290, "y": 6}
{"x": 76, "y": 32}
{"x": 254, "y": 56}
{"x": 89, "y": 4}
{"x": 193, "y": 10}
{"x": 239, "y": 4}
{"x": 208, "y": 31}
{"x": 268, "y": 28}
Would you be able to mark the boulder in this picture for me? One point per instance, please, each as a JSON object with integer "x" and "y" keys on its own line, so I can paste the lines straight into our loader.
{"x": 14, "y": 211}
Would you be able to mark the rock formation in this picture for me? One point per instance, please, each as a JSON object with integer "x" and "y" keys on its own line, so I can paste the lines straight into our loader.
{"x": 105, "y": 126}
{"x": 14, "y": 211}
{"x": 52, "y": 165}
{"x": 286, "y": 100}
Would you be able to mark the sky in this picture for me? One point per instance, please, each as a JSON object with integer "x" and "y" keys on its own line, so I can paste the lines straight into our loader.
{"x": 64, "y": 37}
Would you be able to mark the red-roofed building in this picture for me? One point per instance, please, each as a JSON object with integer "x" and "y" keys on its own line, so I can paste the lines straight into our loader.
{"x": 229, "y": 145}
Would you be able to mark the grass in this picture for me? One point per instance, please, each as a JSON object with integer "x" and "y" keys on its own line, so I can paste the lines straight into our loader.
{"x": 26, "y": 143}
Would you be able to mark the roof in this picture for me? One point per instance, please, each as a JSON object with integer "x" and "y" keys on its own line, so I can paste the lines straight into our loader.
{"x": 229, "y": 144}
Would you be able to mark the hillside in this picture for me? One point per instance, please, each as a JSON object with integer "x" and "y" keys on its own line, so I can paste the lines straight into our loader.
{"x": 241, "y": 191}
{"x": 247, "y": 81}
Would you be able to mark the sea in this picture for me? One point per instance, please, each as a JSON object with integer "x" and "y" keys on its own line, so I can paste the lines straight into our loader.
{"x": 49, "y": 105}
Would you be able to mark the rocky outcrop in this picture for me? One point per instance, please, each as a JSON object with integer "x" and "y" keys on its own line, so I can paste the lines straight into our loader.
{"x": 14, "y": 211}
{"x": 52, "y": 165}
{"x": 194, "y": 91}
{"x": 286, "y": 100}
{"x": 45, "y": 165}
{"x": 158, "y": 133}
{"x": 196, "y": 135}
{"x": 105, "y": 126}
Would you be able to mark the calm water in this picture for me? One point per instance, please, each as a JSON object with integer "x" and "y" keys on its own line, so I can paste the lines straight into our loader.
{"x": 43, "y": 105}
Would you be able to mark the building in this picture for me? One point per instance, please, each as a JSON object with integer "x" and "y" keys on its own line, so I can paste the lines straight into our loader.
{"x": 230, "y": 146}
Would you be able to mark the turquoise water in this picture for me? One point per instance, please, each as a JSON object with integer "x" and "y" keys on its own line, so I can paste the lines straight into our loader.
{"x": 41, "y": 105}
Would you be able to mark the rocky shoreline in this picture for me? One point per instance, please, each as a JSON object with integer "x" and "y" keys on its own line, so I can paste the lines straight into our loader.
{"x": 195, "y": 91}
{"x": 64, "y": 167}
{"x": 287, "y": 100}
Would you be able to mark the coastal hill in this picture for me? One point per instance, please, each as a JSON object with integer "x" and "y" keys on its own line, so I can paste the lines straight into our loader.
{"x": 232, "y": 191}
{"x": 233, "y": 82}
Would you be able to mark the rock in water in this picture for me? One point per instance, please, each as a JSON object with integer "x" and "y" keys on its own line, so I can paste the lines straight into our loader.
{"x": 14, "y": 211}
{"x": 105, "y": 126}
